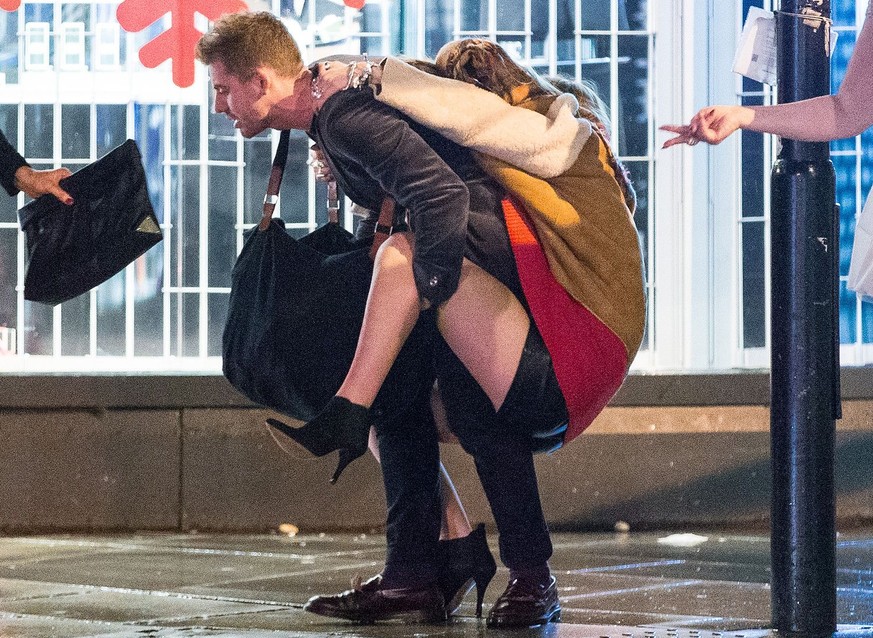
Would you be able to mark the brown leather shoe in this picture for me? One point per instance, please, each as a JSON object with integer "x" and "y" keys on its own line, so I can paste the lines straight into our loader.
{"x": 371, "y": 584}
{"x": 412, "y": 604}
{"x": 526, "y": 605}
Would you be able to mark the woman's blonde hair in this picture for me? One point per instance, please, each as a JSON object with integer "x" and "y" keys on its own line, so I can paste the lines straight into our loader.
{"x": 489, "y": 66}
{"x": 242, "y": 42}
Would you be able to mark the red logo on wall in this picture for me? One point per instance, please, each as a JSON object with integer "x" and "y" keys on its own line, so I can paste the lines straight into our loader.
{"x": 176, "y": 43}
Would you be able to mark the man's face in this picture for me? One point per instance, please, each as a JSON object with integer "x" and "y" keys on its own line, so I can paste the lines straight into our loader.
{"x": 241, "y": 100}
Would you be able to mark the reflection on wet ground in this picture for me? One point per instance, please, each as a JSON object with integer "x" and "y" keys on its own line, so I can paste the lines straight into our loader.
{"x": 623, "y": 585}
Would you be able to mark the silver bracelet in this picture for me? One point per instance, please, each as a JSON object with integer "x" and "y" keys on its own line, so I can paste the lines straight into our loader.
{"x": 357, "y": 81}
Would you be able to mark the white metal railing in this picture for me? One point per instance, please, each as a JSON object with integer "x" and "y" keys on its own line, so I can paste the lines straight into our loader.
{"x": 168, "y": 307}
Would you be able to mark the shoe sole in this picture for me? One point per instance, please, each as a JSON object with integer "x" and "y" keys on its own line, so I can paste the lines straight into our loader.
{"x": 419, "y": 616}
{"x": 453, "y": 605}
{"x": 287, "y": 445}
{"x": 505, "y": 623}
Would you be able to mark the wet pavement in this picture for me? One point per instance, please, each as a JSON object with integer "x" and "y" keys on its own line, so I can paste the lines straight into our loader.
{"x": 623, "y": 585}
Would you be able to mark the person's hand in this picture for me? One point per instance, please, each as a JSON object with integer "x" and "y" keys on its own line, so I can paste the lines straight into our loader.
{"x": 320, "y": 169}
{"x": 336, "y": 76}
{"x": 712, "y": 125}
{"x": 683, "y": 135}
{"x": 715, "y": 123}
{"x": 332, "y": 77}
{"x": 35, "y": 183}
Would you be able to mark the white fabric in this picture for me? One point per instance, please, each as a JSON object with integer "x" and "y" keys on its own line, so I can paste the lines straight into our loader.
{"x": 861, "y": 265}
{"x": 472, "y": 117}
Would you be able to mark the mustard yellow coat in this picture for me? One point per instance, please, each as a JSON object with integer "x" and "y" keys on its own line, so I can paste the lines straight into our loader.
{"x": 577, "y": 207}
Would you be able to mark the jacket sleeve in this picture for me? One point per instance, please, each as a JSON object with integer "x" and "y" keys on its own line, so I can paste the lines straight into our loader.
{"x": 10, "y": 161}
{"x": 377, "y": 138}
{"x": 483, "y": 121}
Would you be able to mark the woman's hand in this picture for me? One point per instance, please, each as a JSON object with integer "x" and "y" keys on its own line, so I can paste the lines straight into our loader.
{"x": 683, "y": 135}
{"x": 336, "y": 76}
{"x": 332, "y": 77}
{"x": 712, "y": 125}
{"x": 35, "y": 183}
{"x": 320, "y": 169}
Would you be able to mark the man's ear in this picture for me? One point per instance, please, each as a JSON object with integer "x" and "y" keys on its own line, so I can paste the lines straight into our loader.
{"x": 263, "y": 80}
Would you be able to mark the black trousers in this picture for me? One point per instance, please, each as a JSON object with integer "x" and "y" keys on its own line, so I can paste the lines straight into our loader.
{"x": 409, "y": 455}
{"x": 502, "y": 445}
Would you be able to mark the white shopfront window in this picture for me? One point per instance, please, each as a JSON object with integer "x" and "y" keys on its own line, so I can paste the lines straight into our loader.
{"x": 703, "y": 214}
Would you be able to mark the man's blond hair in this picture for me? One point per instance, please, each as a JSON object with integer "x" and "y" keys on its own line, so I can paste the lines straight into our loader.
{"x": 242, "y": 42}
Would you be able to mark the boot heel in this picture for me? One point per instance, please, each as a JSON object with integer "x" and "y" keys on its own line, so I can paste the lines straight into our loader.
{"x": 346, "y": 456}
{"x": 466, "y": 561}
{"x": 342, "y": 425}
{"x": 482, "y": 578}
{"x": 480, "y": 596}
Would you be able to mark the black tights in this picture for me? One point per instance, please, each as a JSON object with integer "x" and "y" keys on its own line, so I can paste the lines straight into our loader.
{"x": 503, "y": 454}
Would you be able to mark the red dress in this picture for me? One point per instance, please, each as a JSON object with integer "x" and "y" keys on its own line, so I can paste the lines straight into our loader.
{"x": 589, "y": 359}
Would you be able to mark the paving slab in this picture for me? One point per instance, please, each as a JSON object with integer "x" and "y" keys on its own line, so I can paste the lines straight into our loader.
{"x": 634, "y": 585}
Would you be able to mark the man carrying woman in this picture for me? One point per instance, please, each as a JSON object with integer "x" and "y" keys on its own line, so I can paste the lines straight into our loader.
{"x": 457, "y": 268}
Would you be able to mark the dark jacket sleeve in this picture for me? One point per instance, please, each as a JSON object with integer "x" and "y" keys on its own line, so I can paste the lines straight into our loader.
{"x": 10, "y": 161}
{"x": 407, "y": 168}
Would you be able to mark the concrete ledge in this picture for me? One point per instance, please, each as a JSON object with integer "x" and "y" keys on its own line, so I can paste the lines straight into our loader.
{"x": 716, "y": 480}
{"x": 70, "y": 470}
{"x": 218, "y": 469}
{"x": 115, "y": 391}
{"x": 235, "y": 478}
{"x": 741, "y": 387}
{"x": 123, "y": 453}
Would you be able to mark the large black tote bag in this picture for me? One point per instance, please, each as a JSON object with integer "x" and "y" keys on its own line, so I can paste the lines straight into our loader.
{"x": 72, "y": 249}
{"x": 294, "y": 316}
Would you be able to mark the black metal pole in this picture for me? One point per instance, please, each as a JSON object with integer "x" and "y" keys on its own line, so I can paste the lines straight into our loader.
{"x": 804, "y": 363}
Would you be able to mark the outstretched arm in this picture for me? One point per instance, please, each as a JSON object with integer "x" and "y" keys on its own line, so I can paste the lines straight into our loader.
{"x": 543, "y": 145}
{"x": 844, "y": 114}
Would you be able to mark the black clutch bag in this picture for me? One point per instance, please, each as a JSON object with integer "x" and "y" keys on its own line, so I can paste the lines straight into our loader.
{"x": 72, "y": 249}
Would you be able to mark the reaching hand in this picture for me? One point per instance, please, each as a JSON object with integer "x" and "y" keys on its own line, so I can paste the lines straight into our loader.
{"x": 332, "y": 77}
{"x": 683, "y": 135}
{"x": 320, "y": 169}
{"x": 336, "y": 76}
{"x": 36, "y": 183}
{"x": 712, "y": 125}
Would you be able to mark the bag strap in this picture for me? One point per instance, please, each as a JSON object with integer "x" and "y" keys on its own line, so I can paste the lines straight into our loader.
{"x": 384, "y": 226}
{"x": 386, "y": 215}
{"x": 332, "y": 203}
{"x": 272, "y": 196}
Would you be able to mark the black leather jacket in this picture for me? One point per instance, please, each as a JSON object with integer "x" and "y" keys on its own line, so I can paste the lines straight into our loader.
{"x": 373, "y": 151}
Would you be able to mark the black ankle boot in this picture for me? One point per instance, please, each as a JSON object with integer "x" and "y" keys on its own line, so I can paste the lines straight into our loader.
{"x": 342, "y": 425}
{"x": 465, "y": 561}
